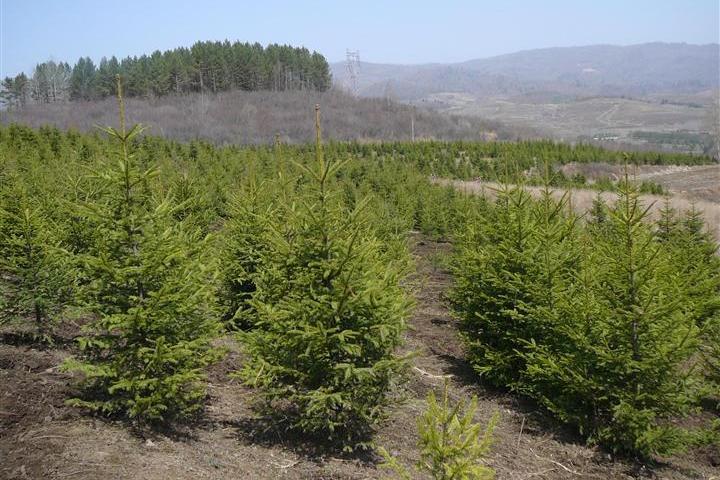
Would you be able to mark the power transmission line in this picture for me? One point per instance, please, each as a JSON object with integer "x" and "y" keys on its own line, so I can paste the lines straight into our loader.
{"x": 352, "y": 67}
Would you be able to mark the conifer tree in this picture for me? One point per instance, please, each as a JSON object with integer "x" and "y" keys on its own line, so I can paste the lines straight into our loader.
{"x": 38, "y": 283}
{"x": 620, "y": 368}
{"x": 83, "y": 80}
{"x": 243, "y": 249}
{"x": 489, "y": 287}
{"x": 192, "y": 206}
{"x": 509, "y": 265}
{"x": 667, "y": 224}
{"x": 329, "y": 315}
{"x": 452, "y": 445}
{"x": 151, "y": 293}
{"x": 711, "y": 353}
{"x": 597, "y": 217}
{"x": 696, "y": 253}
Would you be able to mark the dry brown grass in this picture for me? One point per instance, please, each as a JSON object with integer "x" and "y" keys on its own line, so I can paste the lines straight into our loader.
{"x": 700, "y": 182}
{"x": 582, "y": 200}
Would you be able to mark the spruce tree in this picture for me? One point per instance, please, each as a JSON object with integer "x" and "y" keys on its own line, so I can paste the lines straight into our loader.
{"x": 597, "y": 216}
{"x": 37, "y": 277}
{"x": 488, "y": 267}
{"x": 452, "y": 445}
{"x": 243, "y": 249}
{"x": 329, "y": 315}
{"x": 711, "y": 354}
{"x": 667, "y": 224}
{"x": 150, "y": 292}
{"x": 696, "y": 252}
{"x": 621, "y": 367}
{"x": 510, "y": 264}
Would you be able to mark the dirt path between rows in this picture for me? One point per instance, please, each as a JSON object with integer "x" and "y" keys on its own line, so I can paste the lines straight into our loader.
{"x": 41, "y": 438}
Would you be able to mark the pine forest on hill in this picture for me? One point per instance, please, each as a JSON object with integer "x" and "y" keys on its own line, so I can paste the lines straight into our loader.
{"x": 204, "y": 67}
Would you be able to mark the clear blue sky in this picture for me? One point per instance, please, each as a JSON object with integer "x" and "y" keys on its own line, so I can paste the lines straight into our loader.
{"x": 384, "y": 31}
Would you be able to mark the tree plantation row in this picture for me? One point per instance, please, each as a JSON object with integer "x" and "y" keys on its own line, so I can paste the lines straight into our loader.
{"x": 609, "y": 321}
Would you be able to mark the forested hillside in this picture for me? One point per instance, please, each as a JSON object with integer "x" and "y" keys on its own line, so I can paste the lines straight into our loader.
{"x": 204, "y": 67}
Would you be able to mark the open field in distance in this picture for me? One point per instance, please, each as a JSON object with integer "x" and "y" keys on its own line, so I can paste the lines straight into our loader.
{"x": 688, "y": 186}
{"x": 604, "y": 119}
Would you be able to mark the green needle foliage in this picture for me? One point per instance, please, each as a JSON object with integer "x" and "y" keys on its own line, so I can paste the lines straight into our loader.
{"x": 622, "y": 366}
{"x": 242, "y": 251}
{"x": 506, "y": 266}
{"x": 611, "y": 324}
{"x": 606, "y": 324}
{"x": 143, "y": 355}
{"x": 329, "y": 314}
{"x": 696, "y": 254}
{"x": 452, "y": 445}
{"x": 37, "y": 280}
{"x": 711, "y": 350}
{"x": 597, "y": 216}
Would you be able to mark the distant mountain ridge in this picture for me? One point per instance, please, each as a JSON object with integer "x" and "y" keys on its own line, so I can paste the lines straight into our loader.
{"x": 580, "y": 71}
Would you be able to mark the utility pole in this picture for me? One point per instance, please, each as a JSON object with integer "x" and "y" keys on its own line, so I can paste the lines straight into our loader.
{"x": 412, "y": 124}
{"x": 352, "y": 67}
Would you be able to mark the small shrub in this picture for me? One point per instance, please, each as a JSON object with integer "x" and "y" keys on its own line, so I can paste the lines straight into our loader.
{"x": 452, "y": 445}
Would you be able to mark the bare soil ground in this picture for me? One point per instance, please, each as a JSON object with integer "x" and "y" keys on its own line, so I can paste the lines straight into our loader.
{"x": 41, "y": 438}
